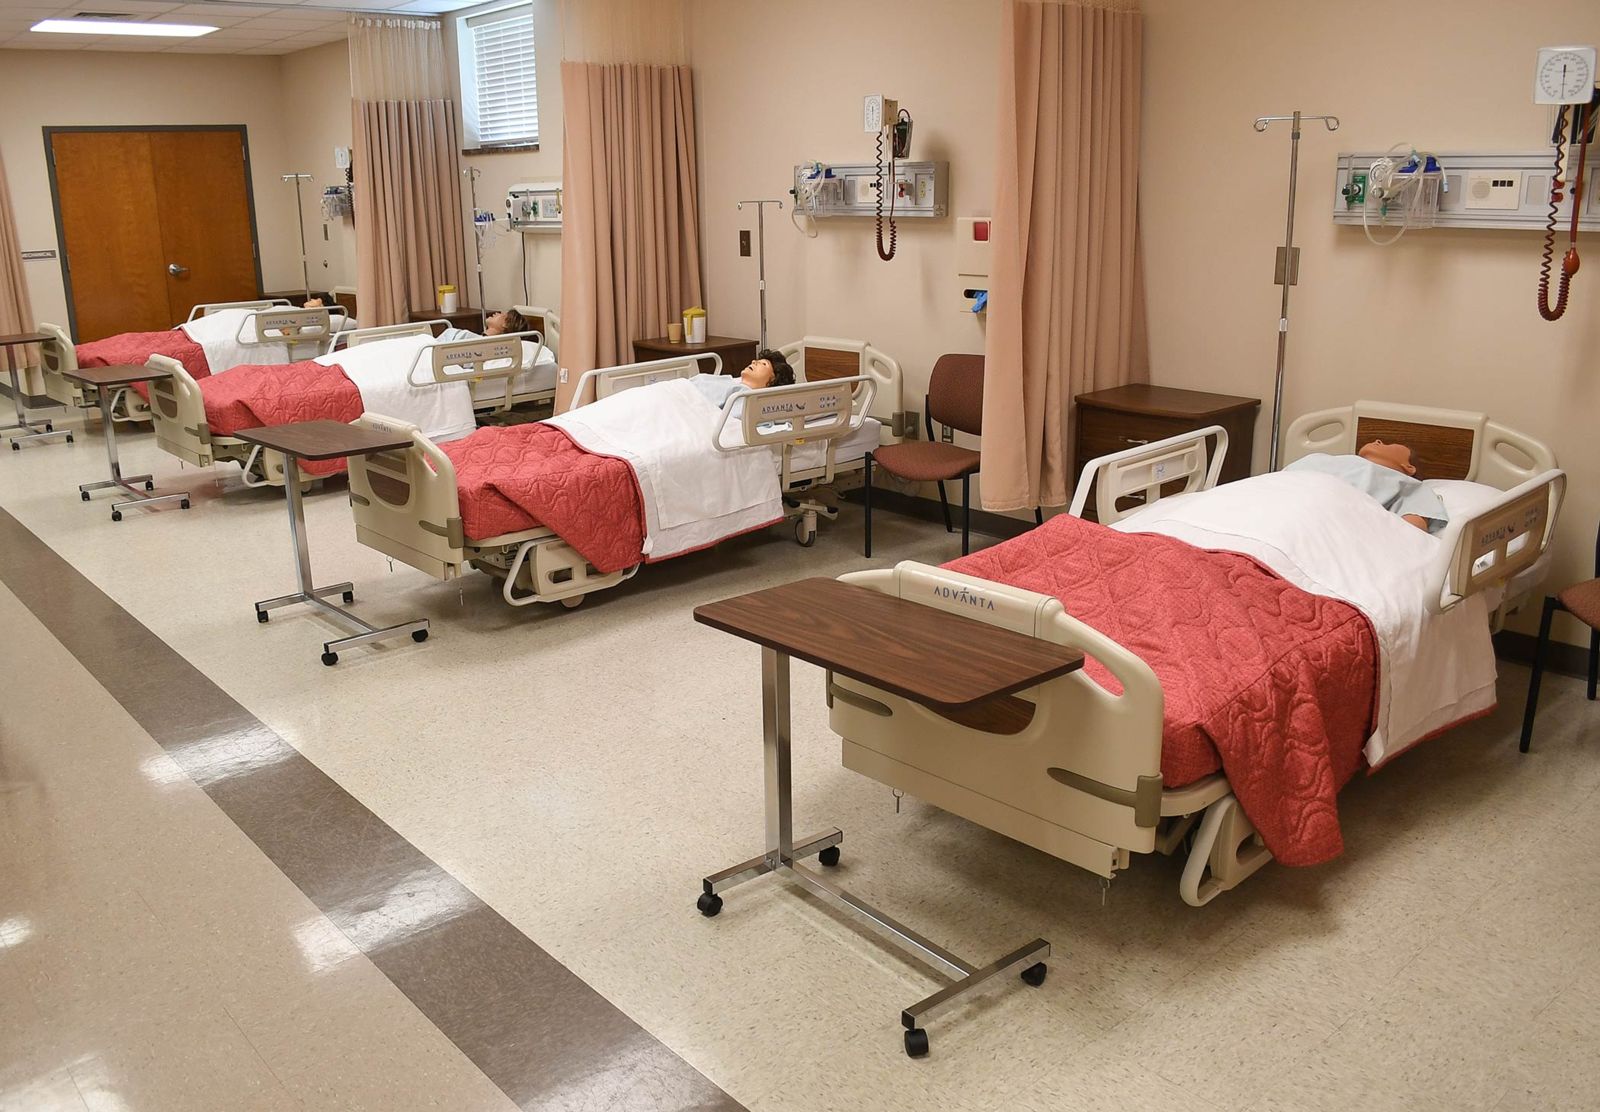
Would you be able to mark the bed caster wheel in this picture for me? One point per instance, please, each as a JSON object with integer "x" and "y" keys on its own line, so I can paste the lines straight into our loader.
{"x": 69, "y": 439}
{"x": 330, "y": 659}
{"x": 828, "y": 857}
{"x": 149, "y": 484}
{"x": 261, "y": 616}
{"x": 48, "y": 427}
{"x": 349, "y": 597}
{"x": 116, "y": 515}
{"x": 419, "y": 635}
{"x": 804, "y": 537}
{"x": 184, "y": 505}
{"x": 916, "y": 1042}
{"x": 15, "y": 447}
{"x": 573, "y": 602}
{"x": 709, "y": 904}
{"x": 1034, "y": 974}
{"x": 84, "y": 495}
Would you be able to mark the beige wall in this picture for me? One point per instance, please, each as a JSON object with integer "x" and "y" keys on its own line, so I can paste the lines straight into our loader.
{"x": 780, "y": 84}
{"x": 316, "y": 119}
{"x": 503, "y": 249}
{"x": 48, "y": 88}
{"x": 1444, "y": 317}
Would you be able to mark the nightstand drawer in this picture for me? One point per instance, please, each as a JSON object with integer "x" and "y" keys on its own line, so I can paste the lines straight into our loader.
{"x": 1101, "y": 432}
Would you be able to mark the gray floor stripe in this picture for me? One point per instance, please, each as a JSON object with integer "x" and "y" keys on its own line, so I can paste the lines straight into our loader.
{"x": 536, "y": 1030}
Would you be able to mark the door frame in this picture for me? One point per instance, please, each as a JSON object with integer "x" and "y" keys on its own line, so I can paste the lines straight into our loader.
{"x": 55, "y": 194}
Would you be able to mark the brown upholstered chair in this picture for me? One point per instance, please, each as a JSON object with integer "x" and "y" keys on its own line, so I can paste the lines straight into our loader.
{"x": 1583, "y": 603}
{"x": 955, "y": 401}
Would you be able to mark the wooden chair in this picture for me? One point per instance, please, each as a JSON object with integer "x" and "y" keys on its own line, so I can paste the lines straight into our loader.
{"x": 1582, "y": 602}
{"x": 955, "y": 401}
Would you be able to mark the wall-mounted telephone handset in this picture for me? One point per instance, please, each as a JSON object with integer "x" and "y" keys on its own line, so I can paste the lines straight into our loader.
{"x": 1565, "y": 77}
{"x": 897, "y": 126}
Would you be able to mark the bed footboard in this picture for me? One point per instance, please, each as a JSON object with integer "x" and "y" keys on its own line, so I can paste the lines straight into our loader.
{"x": 406, "y": 504}
{"x": 179, "y": 411}
{"x": 1066, "y": 767}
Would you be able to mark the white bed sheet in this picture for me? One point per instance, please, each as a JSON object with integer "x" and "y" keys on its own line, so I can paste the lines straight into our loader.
{"x": 379, "y": 370}
{"x": 1331, "y": 539}
{"x": 851, "y": 446}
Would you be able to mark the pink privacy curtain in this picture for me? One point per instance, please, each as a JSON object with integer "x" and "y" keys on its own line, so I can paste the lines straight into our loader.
{"x": 407, "y": 168}
{"x": 1066, "y": 293}
{"x": 16, "y": 310}
{"x": 630, "y": 237}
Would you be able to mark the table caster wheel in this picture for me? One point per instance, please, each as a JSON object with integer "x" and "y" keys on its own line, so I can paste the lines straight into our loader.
{"x": 349, "y": 597}
{"x": 916, "y": 1042}
{"x": 330, "y": 659}
{"x": 84, "y": 495}
{"x": 261, "y": 616}
{"x": 709, "y": 904}
{"x": 1034, "y": 974}
{"x": 15, "y": 447}
{"x": 419, "y": 635}
{"x": 828, "y": 857}
{"x": 149, "y": 484}
{"x": 48, "y": 427}
{"x": 184, "y": 505}
{"x": 116, "y": 515}
{"x": 69, "y": 439}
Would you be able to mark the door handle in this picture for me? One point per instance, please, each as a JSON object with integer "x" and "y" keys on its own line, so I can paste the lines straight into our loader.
{"x": 177, "y": 271}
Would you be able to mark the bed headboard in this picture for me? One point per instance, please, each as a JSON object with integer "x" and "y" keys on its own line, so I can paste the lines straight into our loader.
{"x": 823, "y": 358}
{"x": 1445, "y": 443}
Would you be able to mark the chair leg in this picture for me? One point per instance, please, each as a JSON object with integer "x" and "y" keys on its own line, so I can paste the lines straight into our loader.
{"x": 944, "y": 506}
{"x": 867, "y": 501}
{"x": 1532, "y": 708}
{"x": 1038, "y": 515}
{"x": 966, "y": 514}
{"x": 1594, "y": 661}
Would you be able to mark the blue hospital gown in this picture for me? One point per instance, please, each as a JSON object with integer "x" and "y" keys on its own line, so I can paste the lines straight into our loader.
{"x": 1397, "y": 492}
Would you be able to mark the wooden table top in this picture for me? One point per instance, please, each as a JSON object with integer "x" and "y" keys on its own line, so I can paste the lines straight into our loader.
{"x": 23, "y": 338}
{"x": 320, "y": 440}
{"x": 1166, "y": 401}
{"x": 939, "y": 659}
{"x": 711, "y": 344}
{"x": 116, "y": 375}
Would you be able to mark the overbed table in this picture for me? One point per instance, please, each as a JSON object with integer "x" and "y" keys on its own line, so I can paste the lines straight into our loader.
{"x": 941, "y": 660}
{"x": 30, "y": 431}
{"x": 325, "y": 440}
{"x": 106, "y": 381}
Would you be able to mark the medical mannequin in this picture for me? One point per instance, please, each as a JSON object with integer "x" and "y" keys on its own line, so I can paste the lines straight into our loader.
{"x": 1386, "y": 472}
{"x": 494, "y": 324}
{"x": 768, "y": 368}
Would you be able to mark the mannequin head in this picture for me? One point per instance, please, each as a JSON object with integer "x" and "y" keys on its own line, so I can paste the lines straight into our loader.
{"x": 507, "y": 320}
{"x": 768, "y": 368}
{"x": 1396, "y": 457}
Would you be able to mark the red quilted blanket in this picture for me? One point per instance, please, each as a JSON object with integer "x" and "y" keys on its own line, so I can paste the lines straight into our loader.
{"x": 523, "y": 476}
{"x": 135, "y": 349}
{"x": 248, "y": 397}
{"x": 1275, "y": 686}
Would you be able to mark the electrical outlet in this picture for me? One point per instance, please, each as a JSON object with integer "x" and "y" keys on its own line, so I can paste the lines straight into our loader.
{"x": 744, "y": 243}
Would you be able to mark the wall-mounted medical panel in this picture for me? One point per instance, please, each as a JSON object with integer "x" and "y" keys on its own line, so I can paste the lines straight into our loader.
{"x": 1480, "y": 191}
{"x": 534, "y": 207}
{"x": 851, "y": 189}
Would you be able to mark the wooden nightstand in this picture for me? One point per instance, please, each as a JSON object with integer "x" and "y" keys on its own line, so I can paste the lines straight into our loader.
{"x": 1126, "y": 416}
{"x": 737, "y": 354}
{"x": 469, "y": 319}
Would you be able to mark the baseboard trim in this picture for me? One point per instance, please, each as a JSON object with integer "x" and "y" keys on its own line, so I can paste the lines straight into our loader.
{"x": 1559, "y": 656}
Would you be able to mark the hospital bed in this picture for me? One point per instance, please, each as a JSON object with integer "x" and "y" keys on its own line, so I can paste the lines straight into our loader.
{"x": 271, "y": 322}
{"x": 1076, "y": 771}
{"x": 407, "y": 505}
{"x": 493, "y": 368}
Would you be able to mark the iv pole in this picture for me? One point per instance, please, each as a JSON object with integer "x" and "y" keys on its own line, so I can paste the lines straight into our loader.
{"x": 300, "y": 209}
{"x": 1286, "y": 271}
{"x": 471, "y": 173}
{"x": 761, "y": 260}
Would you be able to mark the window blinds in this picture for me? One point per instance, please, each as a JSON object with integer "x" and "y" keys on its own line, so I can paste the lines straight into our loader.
{"x": 502, "y": 55}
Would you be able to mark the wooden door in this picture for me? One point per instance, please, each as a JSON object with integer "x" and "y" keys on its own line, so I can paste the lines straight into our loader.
{"x": 133, "y": 206}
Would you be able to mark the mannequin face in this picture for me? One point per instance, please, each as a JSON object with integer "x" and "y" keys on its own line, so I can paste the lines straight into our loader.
{"x": 1396, "y": 457}
{"x": 494, "y": 324}
{"x": 758, "y": 375}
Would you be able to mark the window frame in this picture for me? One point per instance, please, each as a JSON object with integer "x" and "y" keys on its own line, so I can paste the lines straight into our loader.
{"x": 467, "y": 70}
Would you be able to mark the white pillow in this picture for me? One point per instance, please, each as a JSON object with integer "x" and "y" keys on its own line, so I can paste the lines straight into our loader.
{"x": 1463, "y": 498}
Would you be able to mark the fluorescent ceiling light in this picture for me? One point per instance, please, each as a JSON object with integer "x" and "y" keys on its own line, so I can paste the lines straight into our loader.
{"x": 121, "y": 27}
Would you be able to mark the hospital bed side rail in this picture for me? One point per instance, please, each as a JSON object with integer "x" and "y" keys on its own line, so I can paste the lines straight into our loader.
{"x": 205, "y": 309}
{"x": 602, "y": 382}
{"x": 1143, "y": 471}
{"x": 1488, "y": 548}
{"x": 356, "y": 337}
{"x": 178, "y": 410}
{"x": 406, "y": 504}
{"x": 785, "y": 417}
{"x": 293, "y": 328}
{"x": 486, "y": 359}
{"x": 1067, "y": 767}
